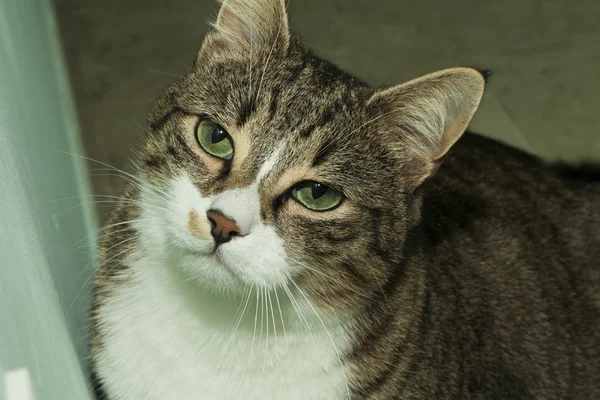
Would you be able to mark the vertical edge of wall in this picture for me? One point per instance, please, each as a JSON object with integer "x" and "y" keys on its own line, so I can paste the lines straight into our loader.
{"x": 71, "y": 121}
{"x": 47, "y": 240}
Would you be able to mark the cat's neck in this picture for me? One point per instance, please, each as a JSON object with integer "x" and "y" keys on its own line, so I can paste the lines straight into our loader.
{"x": 211, "y": 339}
{"x": 287, "y": 308}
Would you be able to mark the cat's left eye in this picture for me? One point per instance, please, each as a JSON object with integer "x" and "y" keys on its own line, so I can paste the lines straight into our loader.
{"x": 214, "y": 139}
{"x": 317, "y": 196}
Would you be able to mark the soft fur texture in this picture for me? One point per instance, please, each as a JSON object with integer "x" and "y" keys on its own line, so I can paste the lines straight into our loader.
{"x": 477, "y": 278}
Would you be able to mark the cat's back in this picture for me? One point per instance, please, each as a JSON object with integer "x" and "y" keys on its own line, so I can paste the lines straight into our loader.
{"x": 514, "y": 252}
{"x": 485, "y": 180}
{"x": 501, "y": 209}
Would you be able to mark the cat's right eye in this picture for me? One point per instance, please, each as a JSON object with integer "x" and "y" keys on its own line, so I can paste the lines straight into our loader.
{"x": 214, "y": 139}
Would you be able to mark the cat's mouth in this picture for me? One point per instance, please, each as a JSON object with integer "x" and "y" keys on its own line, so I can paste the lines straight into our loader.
{"x": 217, "y": 261}
{"x": 214, "y": 257}
{"x": 214, "y": 253}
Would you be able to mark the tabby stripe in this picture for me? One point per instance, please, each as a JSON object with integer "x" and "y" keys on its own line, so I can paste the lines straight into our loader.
{"x": 376, "y": 232}
{"x": 154, "y": 161}
{"x": 296, "y": 71}
{"x": 247, "y": 110}
{"x": 424, "y": 322}
{"x": 158, "y": 125}
{"x": 380, "y": 328}
{"x": 323, "y": 153}
{"x": 306, "y": 132}
{"x": 276, "y": 205}
{"x": 227, "y": 164}
{"x": 326, "y": 117}
{"x": 341, "y": 238}
{"x": 274, "y": 101}
{"x": 183, "y": 145}
{"x": 172, "y": 151}
{"x": 358, "y": 277}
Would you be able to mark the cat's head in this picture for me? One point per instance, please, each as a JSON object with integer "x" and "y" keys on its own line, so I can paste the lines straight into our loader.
{"x": 277, "y": 168}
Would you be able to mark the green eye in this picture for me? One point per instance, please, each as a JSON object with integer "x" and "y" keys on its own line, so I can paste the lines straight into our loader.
{"x": 317, "y": 196}
{"x": 214, "y": 139}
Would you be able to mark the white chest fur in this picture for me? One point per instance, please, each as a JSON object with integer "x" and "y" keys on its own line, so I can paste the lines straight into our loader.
{"x": 162, "y": 339}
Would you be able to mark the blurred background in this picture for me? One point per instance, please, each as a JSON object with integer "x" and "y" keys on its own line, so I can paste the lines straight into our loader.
{"x": 544, "y": 96}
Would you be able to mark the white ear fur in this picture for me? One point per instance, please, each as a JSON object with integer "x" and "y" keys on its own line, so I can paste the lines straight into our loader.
{"x": 248, "y": 23}
{"x": 430, "y": 114}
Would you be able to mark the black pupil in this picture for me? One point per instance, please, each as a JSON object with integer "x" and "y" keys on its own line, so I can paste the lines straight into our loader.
{"x": 318, "y": 190}
{"x": 218, "y": 134}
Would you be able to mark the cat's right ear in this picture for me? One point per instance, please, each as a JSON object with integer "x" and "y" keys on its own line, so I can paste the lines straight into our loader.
{"x": 244, "y": 26}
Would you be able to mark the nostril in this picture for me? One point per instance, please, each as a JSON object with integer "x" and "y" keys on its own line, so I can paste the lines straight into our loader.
{"x": 213, "y": 223}
{"x": 233, "y": 234}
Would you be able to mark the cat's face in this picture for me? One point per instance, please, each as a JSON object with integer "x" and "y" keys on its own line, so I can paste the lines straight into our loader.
{"x": 277, "y": 169}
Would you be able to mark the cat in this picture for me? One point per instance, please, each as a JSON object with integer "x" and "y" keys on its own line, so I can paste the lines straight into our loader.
{"x": 293, "y": 233}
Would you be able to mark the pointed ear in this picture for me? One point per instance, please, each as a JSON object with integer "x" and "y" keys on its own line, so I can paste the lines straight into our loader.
{"x": 244, "y": 26}
{"x": 428, "y": 115}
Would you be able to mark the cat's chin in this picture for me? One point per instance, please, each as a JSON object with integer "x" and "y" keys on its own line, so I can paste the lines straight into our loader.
{"x": 208, "y": 269}
{"x": 212, "y": 271}
{"x": 254, "y": 261}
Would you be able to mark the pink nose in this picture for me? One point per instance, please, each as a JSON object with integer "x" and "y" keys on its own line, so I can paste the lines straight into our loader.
{"x": 223, "y": 229}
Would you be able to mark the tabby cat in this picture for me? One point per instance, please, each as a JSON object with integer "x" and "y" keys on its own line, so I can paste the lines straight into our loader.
{"x": 291, "y": 233}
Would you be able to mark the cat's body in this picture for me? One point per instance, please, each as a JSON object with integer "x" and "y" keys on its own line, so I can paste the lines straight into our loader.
{"x": 287, "y": 236}
{"x": 509, "y": 256}
{"x": 516, "y": 327}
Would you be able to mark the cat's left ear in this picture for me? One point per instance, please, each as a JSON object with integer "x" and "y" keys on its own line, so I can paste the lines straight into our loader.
{"x": 244, "y": 26}
{"x": 426, "y": 116}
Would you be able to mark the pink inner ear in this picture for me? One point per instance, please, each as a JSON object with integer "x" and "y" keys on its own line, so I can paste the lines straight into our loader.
{"x": 451, "y": 134}
{"x": 232, "y": 25}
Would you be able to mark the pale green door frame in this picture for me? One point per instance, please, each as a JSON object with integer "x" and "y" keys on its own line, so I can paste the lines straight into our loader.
{"x": 45, "y": 240}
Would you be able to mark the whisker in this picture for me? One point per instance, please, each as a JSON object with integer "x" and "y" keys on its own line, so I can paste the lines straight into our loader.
{"x": 299, "y": 312}
{"x": 262, "y": 309}
{"x": 327, "y": 331}
{"x": 267, "y": 323}
{"x": 343, "y": 132}
{"x": 250, "y": 67}
{"x": 60, "y": 213}
{"x": 172, "y": 247}
{"x": 245, "y": 305}
{"x": 100, "y": 238}
{"x": 145, "y": 107}
{"x": 252, "y": 345}
{"x": 255, "y": 321}
{"x": 112, "y": 201}
{"x": 139, "y": 183}
{"x": 268, "y": 60}
{"x": 334, "y": 280}
{"x": 139, "y": 126}
{"x": 102, "y": 196}
{"x": 164, "y": 73}
{"x": 111, "y": 167}
{"x": 383, "y": 293}
{"x": 282, "y": 322}
{"x": 87, "y": 240}
{"x": 274, "y": 327}
{"x": 94, "y": 172}
{"x": 118, "y": 224}
{"x": 233, "y": 298}
{"x": 98, "y": 269}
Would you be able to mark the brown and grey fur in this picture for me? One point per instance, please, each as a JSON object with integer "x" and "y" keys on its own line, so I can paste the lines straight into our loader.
{"x": 481, "y": 282}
